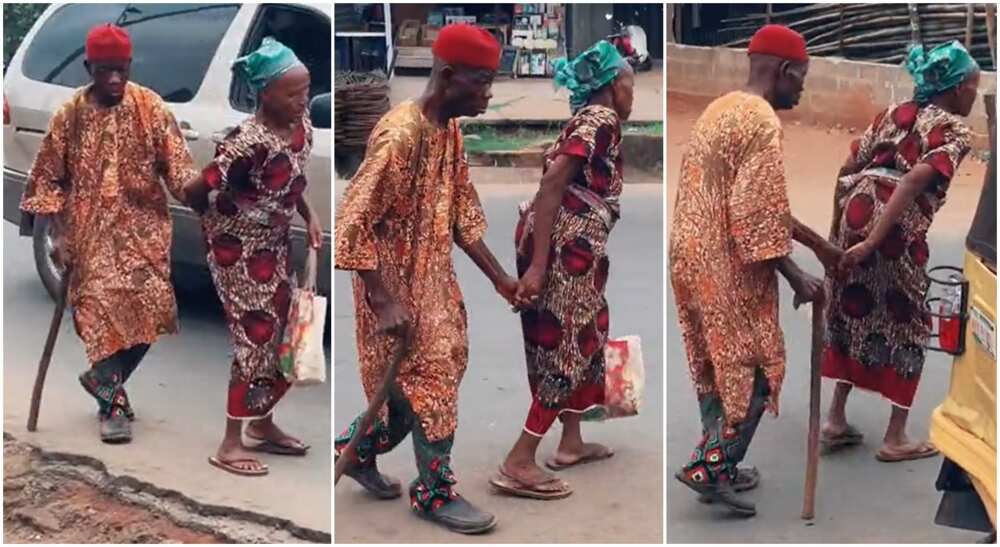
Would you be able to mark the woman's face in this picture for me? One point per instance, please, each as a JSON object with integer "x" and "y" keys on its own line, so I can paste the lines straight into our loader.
{"x": 288, "y": 96}
{"x": 966, "y": 93}
{"x": 621, "y": 92}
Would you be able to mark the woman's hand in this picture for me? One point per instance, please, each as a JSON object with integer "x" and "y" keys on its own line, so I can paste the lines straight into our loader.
{"x": 315, "y": 233}
{"x": 530, "y": 285}
{"x": 856, "y": 255}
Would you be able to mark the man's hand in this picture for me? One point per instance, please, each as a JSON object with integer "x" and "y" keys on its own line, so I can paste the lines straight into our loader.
{"x": 506, "y": 286}
{"x": 807, "y": 287}
{"x": 60, "y": 251}
{"x": 392, "y": 318}
{"x": 830, "y": 256}
{"x": 315, "y": 233}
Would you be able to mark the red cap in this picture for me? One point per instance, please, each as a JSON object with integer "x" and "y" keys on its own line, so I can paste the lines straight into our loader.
{"x": 780, "y": 41}
{"x": 108, "y": 42}
{"x": 468, "y": 45}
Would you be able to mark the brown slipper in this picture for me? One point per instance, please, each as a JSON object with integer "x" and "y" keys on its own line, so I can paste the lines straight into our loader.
{"x": 924, "y": 450}
{"x": 231, "y": 467}
{"x": 849, "y": 437}
{"x": 556, "y": 465}
{"x": 551, "y": 489}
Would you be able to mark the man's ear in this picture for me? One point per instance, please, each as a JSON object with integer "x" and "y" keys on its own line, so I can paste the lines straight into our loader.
{"x": 784, "y": 68}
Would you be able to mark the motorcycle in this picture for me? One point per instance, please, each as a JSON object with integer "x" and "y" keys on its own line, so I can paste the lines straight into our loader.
{"x": 630, "y": 41}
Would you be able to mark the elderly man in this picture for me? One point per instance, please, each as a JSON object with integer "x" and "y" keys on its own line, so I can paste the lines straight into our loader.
{"x": 409, "y": 201}
{"x": 732, "y": 231}
{"x": 97, "y": 177}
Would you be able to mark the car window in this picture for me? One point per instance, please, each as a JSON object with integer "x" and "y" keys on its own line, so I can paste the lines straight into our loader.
{"x": 306, "y": 32}
{"x": 172, "y": 44}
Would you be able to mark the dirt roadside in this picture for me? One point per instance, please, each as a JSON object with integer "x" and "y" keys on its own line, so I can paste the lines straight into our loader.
{"x": 62, "y": 498}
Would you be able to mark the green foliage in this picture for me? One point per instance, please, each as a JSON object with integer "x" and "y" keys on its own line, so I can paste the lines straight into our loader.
{"x": 17, "y": 21}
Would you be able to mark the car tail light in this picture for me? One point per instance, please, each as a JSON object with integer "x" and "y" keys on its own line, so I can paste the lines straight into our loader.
{"x": 6, "y": 111}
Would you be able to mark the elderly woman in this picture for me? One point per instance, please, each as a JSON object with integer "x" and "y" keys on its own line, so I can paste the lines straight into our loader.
{"x": 247, "y": 198}
{"x": 893, "y": 183}
{"x": 563, "y": 265}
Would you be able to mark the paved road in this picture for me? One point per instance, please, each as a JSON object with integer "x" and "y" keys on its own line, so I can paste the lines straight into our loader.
{"x": 858, "y": 499}
{"x": 179, "y": 396}
{"x": 615, "y": 501}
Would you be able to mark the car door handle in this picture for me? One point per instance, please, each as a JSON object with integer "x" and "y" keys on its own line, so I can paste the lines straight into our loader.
{"x": 220, "y": 136}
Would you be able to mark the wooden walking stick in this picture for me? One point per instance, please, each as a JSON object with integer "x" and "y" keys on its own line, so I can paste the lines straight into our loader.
{"x": 349, "y": 454}
{"x": 812, "y": 440}
{"x": 50, "y": 344}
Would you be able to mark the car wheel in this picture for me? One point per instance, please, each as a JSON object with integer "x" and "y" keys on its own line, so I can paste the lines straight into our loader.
{"x": 48, "y": 271}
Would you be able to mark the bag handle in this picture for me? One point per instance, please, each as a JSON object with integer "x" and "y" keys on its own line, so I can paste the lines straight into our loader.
{"x": 309, "y": 273}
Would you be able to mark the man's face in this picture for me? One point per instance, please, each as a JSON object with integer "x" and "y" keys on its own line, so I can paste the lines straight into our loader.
{"x": 790, "y": 82}
{"x": 468, "y": 90}
{"x": 288, "y": 96}
{"x": 110, "y": 77}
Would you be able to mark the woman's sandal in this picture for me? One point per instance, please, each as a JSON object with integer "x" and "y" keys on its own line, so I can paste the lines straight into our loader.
{"x": 232, "y": 468}
{"x": 552, "y": 488}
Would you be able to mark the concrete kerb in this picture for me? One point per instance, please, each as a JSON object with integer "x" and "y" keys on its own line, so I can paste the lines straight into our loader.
{"x": 235, "y": 525}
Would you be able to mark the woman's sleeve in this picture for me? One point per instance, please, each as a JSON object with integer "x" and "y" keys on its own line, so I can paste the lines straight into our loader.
{"x": 947, "y": 145}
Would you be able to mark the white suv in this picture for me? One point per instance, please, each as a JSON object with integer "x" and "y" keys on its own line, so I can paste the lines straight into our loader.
{"x": 183, "y": 52}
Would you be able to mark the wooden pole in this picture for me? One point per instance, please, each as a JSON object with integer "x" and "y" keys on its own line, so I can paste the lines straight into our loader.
{"x": 812, "y": 439}
{"x": 349, "y": 453}
{"x": 915, "y": 24}
{"x": 970, "y": 11}
{"x": 50, "y": 344}
{"x": 991, "y": 31}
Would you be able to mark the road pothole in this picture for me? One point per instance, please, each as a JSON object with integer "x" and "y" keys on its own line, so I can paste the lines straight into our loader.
{"x": 51, "y": 497}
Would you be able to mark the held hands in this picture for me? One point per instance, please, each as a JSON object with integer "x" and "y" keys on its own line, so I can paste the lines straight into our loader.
{"x": 856, "y": 255}
{"x": 831, "y": 257}
{"x": 528, "y": 288}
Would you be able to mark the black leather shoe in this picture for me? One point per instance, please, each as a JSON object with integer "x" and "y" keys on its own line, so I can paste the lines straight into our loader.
{"x": 461, "y": 516}
{"x": 747, "y": 478}
{"x": 381, "y": 486}
{"x": 115, "y": 429}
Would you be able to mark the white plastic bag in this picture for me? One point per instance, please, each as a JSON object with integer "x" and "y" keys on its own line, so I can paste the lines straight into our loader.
{"x": 301, "y": 356}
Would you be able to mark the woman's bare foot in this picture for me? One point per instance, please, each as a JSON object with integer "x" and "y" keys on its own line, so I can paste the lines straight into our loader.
{"x": 266, "y": 430}
{"x": 566, "y": 456}
{"x": 525, "y": 472}
{"x": 900, "y": 450}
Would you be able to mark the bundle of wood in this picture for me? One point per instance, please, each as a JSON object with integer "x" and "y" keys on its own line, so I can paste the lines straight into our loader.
{"x": 879, "y": 33}
{"x": 360, "y": 100}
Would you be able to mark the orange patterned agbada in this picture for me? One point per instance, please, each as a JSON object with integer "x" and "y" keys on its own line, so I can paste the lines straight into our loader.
{"x": 101, "y": 169}
{"x": 731, "y": 215}
{"x": 409, "y": 202}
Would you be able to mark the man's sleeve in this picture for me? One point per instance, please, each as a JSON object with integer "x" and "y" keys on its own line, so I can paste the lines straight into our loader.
{"x": 173, "y": 158}
{"x": 44, "y": 194}
{"x": 759, "y": 213}
{"x": 469, "y": 218}
{"x": 368, "y": 198}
